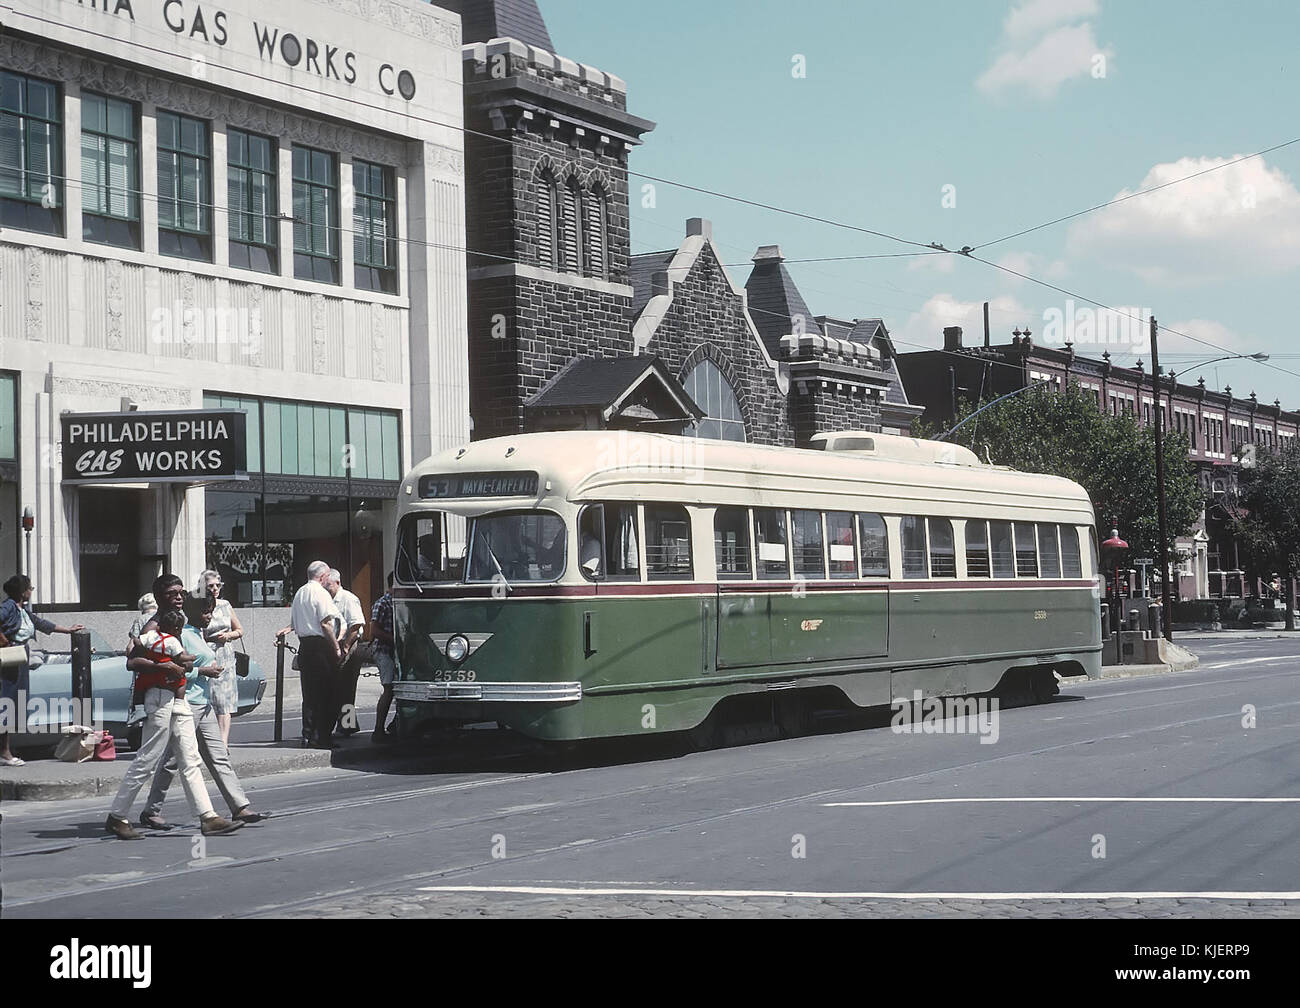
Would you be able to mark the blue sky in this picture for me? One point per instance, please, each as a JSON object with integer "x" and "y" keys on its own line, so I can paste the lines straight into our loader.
{"x": 1029, "y": 110}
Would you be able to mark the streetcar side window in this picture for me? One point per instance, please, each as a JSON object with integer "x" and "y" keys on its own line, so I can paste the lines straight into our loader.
{"x": 977, "y": 549}
{"x": 806, "y": 529}
{"x": 769, "y": 535}
{"x": 1071, "y": 562}
{"x": 912, "y": 529}
{"x": 875, "y": 545}
{"x": 1049, "y": 551}
{"x": 731, "y": 543}
{"x": 668, "y": 543}
{"x": 943, "y": 555}
{"x": 1026, "y": 551}
{"x": 424, "y": 552}
{"x": 839, "y": 540}
{"x": 1004, "y": 557}
{"x": 607, "y": 542}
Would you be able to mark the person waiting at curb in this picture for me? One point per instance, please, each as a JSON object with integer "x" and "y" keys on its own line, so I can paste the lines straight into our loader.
{"x": 381, "y": 632}
{"x": 168, "y": 720}
{"x": 349, "y": 633}
{"x": 18, "y": 626}
{"x": 314, "y": 617}
{"x": 212, "y": 747}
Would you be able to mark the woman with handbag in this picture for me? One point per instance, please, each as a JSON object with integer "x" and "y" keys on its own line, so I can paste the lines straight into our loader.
{"x": 18, "y": 625}
{"x": 222, "y": 631}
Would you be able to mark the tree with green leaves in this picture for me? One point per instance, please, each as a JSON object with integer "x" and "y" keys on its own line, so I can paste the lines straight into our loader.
{"x": 1266, "y": 519}
{"x": 1113, "y": 457}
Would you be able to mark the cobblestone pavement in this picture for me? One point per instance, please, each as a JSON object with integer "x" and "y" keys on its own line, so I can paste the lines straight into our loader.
{"x": 515, "y": 905}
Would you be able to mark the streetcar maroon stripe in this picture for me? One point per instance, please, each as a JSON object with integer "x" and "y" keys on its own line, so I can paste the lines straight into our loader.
{"x": 736, "y": 587}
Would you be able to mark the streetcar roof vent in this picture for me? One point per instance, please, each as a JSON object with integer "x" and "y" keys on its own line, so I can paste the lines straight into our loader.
{"x": 869, "y": 444}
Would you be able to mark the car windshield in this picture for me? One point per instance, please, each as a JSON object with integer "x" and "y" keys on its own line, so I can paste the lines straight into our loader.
{"x": 517, "y": 546}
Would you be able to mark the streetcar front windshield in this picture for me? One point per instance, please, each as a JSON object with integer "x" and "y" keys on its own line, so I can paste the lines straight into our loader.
{"x": 517, "y": 546}
{"x": 430, "y": 548}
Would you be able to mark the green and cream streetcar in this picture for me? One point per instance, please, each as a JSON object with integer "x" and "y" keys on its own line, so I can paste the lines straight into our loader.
{"x": 589, "y": 584}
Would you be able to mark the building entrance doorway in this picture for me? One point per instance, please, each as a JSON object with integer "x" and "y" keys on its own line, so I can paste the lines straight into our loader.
{"x": 110, "y": 523}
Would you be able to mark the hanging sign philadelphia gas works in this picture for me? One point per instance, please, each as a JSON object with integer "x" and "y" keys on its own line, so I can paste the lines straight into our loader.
{"x": 186, "y": 446}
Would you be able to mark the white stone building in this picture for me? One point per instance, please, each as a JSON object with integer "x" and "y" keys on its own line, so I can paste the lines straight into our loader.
{"x": 232, "y": 204}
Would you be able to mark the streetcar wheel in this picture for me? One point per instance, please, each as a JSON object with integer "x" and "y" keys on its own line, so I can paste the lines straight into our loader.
{"x": 793, "y": 714}
{"x": 706, "y": 735}
{"x": 1043, "y": 685}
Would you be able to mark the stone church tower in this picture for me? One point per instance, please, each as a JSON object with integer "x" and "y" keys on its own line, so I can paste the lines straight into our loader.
{"x": 546, "y": 151}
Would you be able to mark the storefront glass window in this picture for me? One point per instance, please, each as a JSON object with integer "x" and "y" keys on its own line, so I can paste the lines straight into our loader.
{"x": 253, "y": 426}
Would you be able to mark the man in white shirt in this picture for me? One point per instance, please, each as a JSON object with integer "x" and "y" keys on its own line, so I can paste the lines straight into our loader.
{"x": 354, "y": 623}
{"x": 314, "y": 618}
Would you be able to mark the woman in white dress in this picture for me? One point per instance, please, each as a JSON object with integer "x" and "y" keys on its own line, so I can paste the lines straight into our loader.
{"x": 222, "y": 631}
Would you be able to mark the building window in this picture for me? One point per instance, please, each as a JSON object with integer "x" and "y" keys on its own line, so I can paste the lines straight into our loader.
{"x": 374, "y": 227}
{"x": 597, "y": 209}
{"x": 184, "y": 187}
{"x": 252, "y": 196}
{"x": 110, "y": 171}
{"x": 31, "y": 154}
{"x": 708, "y": 386}
{"x": 548, "y": 214}
{"x": 315, "y": 215}
{"x": 571, "y": 229}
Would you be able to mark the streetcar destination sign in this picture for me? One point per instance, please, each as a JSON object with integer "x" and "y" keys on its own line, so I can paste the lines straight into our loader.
{"x": 506, "y": 484}
{"x": 190, "y": 446}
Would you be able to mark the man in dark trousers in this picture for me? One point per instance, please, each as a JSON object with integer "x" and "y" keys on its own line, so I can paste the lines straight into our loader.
{"x": 314, "y": 618}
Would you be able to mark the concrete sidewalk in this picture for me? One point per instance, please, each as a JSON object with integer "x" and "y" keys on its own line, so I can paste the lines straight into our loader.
{"x": 52, "y": 780}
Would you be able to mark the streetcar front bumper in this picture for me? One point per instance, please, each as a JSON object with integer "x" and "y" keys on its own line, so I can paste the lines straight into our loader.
{"x": 488, "y": 692}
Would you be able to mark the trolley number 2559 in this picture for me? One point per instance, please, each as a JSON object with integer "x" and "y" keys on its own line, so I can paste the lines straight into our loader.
{"x": 455, "y": 675}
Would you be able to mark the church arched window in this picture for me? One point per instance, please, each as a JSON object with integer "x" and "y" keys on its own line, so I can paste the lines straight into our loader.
{"x": 571, "y": 229}
{"x": 547, "y": 220}
{"x": 597, "y": 214}
{"x": 708, "y": 386}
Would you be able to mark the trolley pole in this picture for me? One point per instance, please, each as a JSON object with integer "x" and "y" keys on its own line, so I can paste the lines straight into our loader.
{"x": 1165, "y": 602}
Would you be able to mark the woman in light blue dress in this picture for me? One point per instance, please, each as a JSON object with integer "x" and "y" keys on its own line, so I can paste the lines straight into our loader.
{"x": 222, "y": 631}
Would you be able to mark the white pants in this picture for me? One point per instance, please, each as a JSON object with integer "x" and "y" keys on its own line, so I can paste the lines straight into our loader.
{"x": 168, "y": 720}
{"x": 215, "y": 755}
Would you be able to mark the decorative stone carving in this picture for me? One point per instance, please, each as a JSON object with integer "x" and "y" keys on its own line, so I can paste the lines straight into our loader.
{"x": 255, "y": 337}
{"x": 378, "y": 343}
{"x": 34, "y": 316}
{"x": 189, "y": 317}
{"x": 91, "y": 388}
{"x": 115, "y": 302}
{"x": 319, "y": 343}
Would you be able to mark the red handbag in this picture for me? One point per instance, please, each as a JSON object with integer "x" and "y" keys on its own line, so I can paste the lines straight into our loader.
{"x": 105, "y": 748}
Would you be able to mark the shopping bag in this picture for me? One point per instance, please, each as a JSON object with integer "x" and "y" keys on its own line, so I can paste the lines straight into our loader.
{"x": 76, "y": 746}
{"x": 105, "y": 747}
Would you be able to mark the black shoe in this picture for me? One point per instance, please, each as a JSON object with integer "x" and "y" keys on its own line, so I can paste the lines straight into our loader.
{"x": 155, "y": 822}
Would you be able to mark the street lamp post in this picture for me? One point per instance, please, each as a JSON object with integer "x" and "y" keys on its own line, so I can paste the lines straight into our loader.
{"x": 1114, "y": 548}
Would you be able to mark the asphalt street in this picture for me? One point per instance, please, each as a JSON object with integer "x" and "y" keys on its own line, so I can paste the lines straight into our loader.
{"x": 1173, "y": 795}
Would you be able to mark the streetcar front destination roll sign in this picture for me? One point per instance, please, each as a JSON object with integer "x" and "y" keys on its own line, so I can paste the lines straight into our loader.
{"x": 185, "y": 446}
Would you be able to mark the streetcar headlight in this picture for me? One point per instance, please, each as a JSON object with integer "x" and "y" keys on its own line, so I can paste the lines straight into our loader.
{"x": 457, "y": 649}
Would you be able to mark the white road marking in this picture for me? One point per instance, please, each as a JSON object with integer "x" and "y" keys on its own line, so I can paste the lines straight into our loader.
{"x": 521, "y": 890}
{"x": 1089, "y": 799}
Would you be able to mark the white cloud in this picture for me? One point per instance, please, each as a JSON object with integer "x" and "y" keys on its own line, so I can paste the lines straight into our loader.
{"x": 943, "y": 264}
{"x": 1034, "y": 17}
{"x": 925, "y": 327}
{"x": 1031, "y": 264}
{"x": 1061, "y": 55}
{"x": 1242, "y": 220}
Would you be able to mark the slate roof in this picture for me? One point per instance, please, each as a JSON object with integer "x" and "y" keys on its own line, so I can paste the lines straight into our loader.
{"x": 599, "y": 382}
{"x": 484, "y": 20}
{"x": 640, "y": 272}
{"x": 873, "y": 332}
{"x": 775, "y": 301}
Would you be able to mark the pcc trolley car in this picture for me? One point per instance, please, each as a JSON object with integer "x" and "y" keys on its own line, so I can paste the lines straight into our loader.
{"x": 588, "y": 584}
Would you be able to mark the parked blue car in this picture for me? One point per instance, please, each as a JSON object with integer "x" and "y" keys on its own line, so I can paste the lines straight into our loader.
{"x": 50, "y": 705}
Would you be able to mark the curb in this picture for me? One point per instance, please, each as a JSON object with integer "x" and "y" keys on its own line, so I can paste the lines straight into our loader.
{"x": 51, "y": 781}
